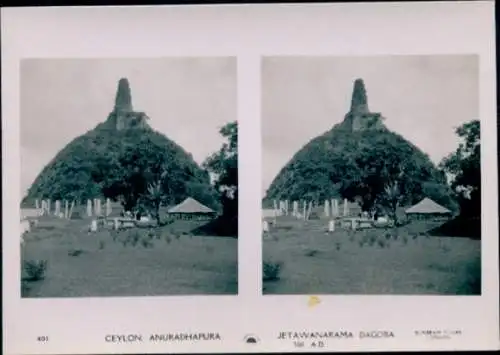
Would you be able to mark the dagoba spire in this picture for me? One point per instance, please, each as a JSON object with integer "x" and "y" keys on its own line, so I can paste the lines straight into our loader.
{"x": 123, "y": 115}
{"x": 359, "y": 117}
{"x": 359, "y": 101}
{"x": 123, "y": 100}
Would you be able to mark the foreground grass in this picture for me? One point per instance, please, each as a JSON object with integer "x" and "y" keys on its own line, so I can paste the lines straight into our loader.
{"x": 402, "y": 261}
{"x": 137, "y": 262}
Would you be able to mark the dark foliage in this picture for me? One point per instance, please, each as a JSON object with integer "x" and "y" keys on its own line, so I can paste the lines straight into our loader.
{"x": 122, "y": 165}
{"x": 464, "y": 165}
{"x": 224, "y": 167}
{"x": 380, "y": 169}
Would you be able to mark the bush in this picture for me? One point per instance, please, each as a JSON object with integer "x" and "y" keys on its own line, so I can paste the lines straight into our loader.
{"x": 134, "y": 237}
{"x": 352, "y": 235}
{"x": 75, "y": 252}
{"x": 372, "y": 239}
{"x": 114, "y": 235}
{"x": 271, "y": 271}
{"x": 151, "y": 234}
{"x": 311, "y": 252}
{"x": 35, "y": 270}
{"x": 25, "y": 288}
{"x": 146, "y": 243}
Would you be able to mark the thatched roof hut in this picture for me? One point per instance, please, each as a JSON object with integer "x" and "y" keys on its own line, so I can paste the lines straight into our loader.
{"x": 191, "y": 209}
{"x": 427, "y": 208}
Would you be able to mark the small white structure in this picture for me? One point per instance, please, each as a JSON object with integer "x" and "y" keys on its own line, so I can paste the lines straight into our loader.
{"x": 70, "y": 212}
{"x": 25, "y": 226}
{"x": 335, "y": 207}
{"x": 144, "y": 219}
{"x": 43, "y": 208}
{"x": 108, "y": 207}
{"x": 382, "y": 220}
{"x": 346, "y": 207}
{"x": 58, "y": 208}
{"x": 356, "y": 222}
{"x": 93, "y": 226}
{"x": 98, "y": 209}
{"x": 331, "y": 226}
{"x": 265, "y": 226}
{"x": 295, "y": 209}
{"x": 66, "y": 209}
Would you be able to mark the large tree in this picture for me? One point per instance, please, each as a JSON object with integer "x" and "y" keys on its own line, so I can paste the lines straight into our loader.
{"x": 386, "y": 172}
{"x": 147, "y": 175}
{"x": 464, "y": 169}
{"x": 223, "y": 165}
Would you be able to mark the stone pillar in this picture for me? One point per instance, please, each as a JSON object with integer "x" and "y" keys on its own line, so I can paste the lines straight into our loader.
{"x": 98, "y": 210}
{"x": 57, "y": 211}
{"x": 108, "y": 207}
{"x": 89, "y": 208}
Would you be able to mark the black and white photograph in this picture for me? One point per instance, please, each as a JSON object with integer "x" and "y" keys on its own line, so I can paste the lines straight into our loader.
{"x": 129, "y": 177}
{"x": 249, "y": 178}
{"x": 371, "y": 175}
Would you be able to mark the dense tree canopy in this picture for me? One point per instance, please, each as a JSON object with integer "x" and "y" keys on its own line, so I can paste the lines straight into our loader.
{"x": 224, "y": 166}
{"x": 380, "y": 169}
{"x": 124, "y": 165}
{"x": 464, "y": 168}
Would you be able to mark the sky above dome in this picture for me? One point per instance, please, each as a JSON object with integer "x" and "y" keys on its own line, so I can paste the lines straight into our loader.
{"x": 423, "y": 98}
{"x": 187, "y": 99}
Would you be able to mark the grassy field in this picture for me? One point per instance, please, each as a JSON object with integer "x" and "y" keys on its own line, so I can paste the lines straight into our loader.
{"x": 135, "y": 262}
{"x": 302, "y": 258}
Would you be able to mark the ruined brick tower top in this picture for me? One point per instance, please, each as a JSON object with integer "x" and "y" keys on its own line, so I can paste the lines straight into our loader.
{"x": 123, "y": 114}
{"x": 359, "y": 117}
{"x": 359, "y": 101}
{"x": 123, "y": 100}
